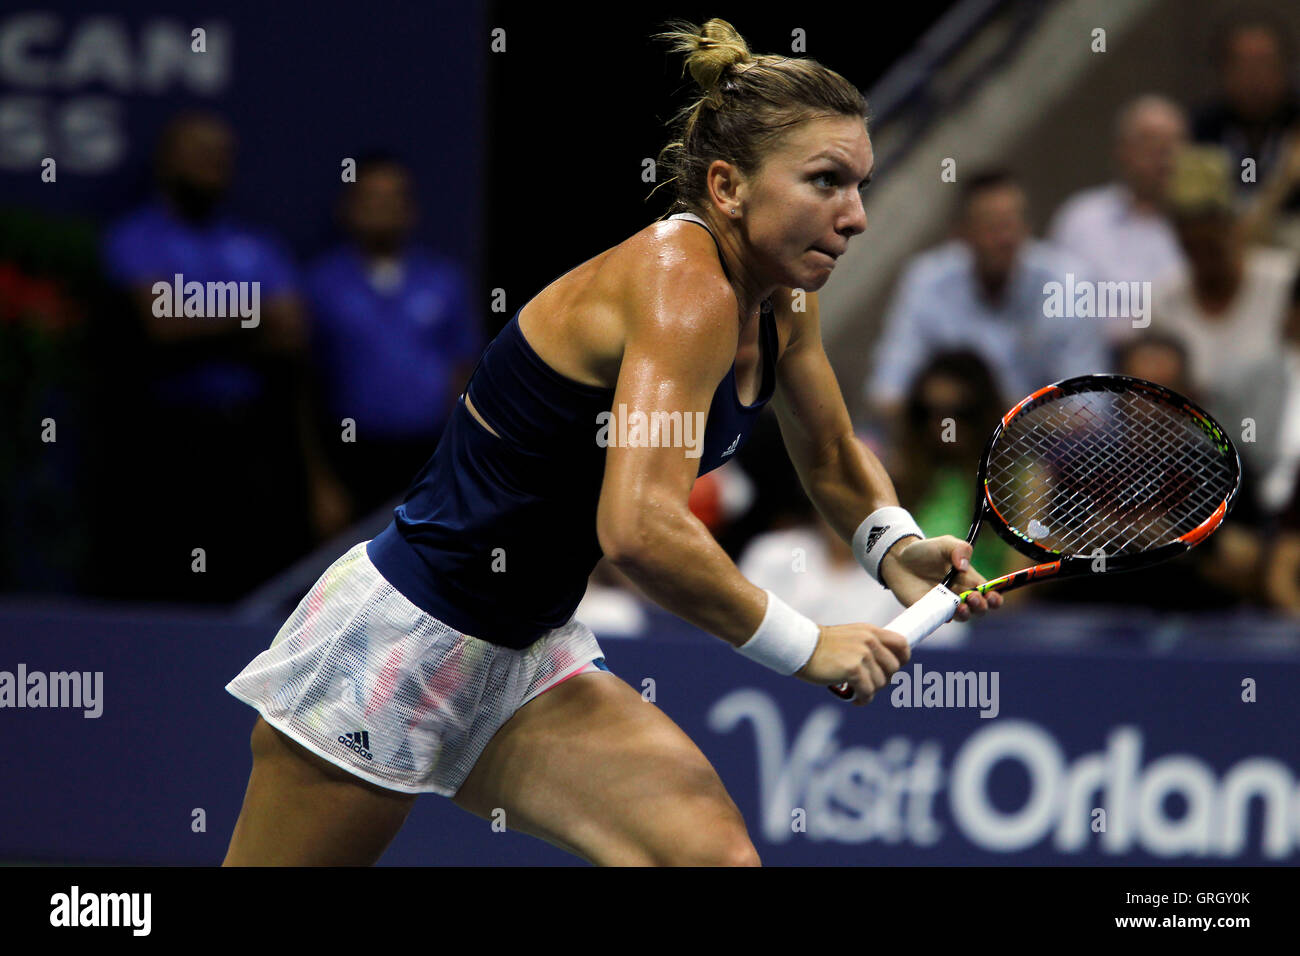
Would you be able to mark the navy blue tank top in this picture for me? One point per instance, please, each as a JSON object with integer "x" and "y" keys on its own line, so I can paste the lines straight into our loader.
{"x": 496, "y": 536}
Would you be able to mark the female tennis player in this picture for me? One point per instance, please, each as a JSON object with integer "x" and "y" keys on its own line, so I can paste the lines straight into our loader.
{"x": 443, "y": 656}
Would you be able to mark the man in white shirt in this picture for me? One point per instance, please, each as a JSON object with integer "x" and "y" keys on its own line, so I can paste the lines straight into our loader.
{"x": 1280, "y": 486}
{"x": 986, "y": 290}
{"x": 1122, "y": 228}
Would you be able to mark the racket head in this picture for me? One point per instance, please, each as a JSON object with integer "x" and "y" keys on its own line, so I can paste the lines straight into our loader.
{"x": 1106, "y": 465}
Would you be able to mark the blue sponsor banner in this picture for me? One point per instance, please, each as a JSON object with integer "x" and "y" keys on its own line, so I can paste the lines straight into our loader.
{"x": 994, "y": 754}
{"x": 305, "y": 83}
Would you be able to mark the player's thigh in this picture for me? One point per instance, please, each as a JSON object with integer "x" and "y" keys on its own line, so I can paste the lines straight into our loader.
{"x": 301, "y": 810}
{"x": 593, "y": 768}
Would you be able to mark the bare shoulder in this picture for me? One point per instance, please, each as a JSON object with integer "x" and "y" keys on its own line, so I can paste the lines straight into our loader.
{"x": 680, "y": 318}
{"x": 663, "y": 283}
{"x": 674, "y": 278}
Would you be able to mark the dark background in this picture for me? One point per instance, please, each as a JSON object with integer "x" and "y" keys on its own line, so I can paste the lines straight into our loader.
{"x": 577, "y": 103}
{"x": 309, "y": 82}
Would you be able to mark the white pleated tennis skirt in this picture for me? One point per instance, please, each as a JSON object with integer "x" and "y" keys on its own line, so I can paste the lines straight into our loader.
{"x": 362, "y": 677}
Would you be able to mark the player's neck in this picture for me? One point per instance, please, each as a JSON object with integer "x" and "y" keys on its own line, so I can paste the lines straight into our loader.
{"x": 750, "y": 291}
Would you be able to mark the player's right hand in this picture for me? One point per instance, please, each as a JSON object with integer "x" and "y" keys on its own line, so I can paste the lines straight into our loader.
{"x": 862, "y": 655}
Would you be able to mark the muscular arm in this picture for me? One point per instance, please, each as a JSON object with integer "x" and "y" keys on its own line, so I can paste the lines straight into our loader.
{"x": 680, "y": 341}
{"x": 841, "y": 476}
{"x": 844, "y": 480}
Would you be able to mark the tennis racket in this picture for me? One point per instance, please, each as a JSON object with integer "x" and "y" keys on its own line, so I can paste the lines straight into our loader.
{"x": 1092, "y": 475}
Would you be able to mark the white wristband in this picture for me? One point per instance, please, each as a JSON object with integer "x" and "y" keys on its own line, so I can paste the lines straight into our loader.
{"x": 878, "y": 532}
{"x": 785, "y": 641}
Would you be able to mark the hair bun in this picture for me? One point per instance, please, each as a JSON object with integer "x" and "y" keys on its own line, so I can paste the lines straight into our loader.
{"x": 748, "y": 103}
{"x": 711, "y": 50}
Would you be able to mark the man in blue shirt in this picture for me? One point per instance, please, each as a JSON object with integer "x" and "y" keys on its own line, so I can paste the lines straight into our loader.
{"x": 986, "y": 290}
{"x": 393, "y": 336}
{"x": 221, "y": 460}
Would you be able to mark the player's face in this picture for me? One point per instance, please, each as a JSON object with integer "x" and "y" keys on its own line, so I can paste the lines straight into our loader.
{"x": 804, "y": 204}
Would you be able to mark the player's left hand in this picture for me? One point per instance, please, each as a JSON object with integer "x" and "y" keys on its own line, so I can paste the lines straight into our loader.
{"x": 913, "y": 566}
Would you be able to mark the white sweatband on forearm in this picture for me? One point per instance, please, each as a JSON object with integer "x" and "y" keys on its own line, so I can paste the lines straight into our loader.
{"x": 879, "y": 532}
{"x": 785, "y": 641}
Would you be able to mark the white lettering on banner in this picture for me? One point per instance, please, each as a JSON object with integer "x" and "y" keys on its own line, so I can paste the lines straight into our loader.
{"x": 1173, "y": 806}
{"x": 66, "y": 82}
{"x": 859, "y": 795}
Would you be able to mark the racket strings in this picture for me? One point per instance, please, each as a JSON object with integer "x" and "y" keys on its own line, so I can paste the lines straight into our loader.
{"x": 1163, "y": 527}
{"x": 1110, "y": 465}
{"x": 1124, "y": 489}
{"x": 1115, "y": 470}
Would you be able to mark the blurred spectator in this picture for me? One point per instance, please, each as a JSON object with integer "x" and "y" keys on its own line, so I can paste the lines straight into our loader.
{"x": 48, "y": 363}
{"x": 1277, "y": 433}
{"x": 1229, "y": 308}
{"x": 393, "y": 335}
{"x": 1280, "y": 483}
{"x": 1121, "y": 228}
{"x": 220, "y": 456}
{"x": 1157, "y": 358}
{"x": 951, "y": 409}
{"x": 1282, "y": 567}
{"x": 1272, "y": 218}
{"x": 985, "y": 290}
{"x": 1259, "y": 408}
{"x": 1257, "y": 103}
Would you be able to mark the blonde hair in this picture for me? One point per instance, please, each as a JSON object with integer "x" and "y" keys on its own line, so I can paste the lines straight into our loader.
{"x": 748, "y": 102}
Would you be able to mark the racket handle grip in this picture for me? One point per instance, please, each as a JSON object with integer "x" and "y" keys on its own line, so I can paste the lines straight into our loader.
{"x": 915, "y": 623}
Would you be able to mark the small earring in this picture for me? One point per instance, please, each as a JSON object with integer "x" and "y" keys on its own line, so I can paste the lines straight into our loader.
{"x": 734, "y": 211}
